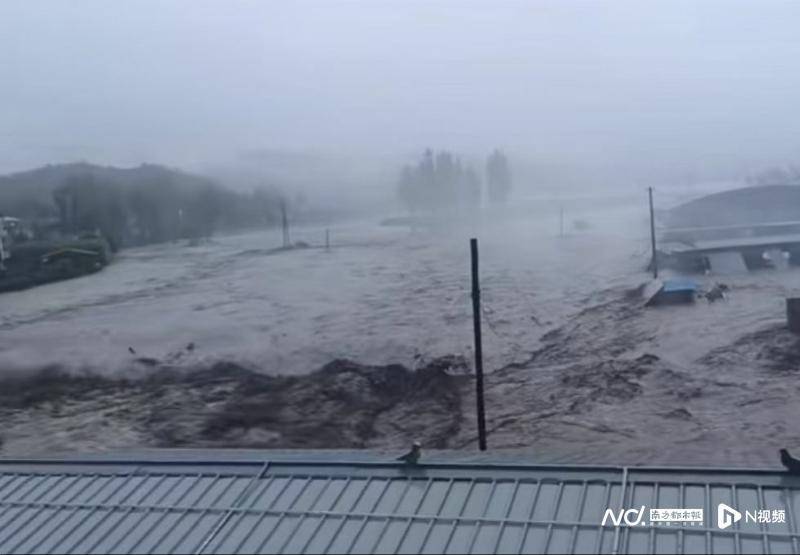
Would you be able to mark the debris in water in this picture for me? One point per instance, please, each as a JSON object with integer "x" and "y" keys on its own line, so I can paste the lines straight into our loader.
{"x": 148, "y": 361}
{"x": 716, "y": 293}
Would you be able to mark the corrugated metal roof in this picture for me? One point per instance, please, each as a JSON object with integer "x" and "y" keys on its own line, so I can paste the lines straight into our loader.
{"x": 250, "y": 506}
{"x": 709, "y": 245}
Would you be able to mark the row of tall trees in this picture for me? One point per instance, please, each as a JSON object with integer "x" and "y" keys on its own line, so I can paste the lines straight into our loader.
{"x": 778, "y": 175}
{"x": 498, "y": 177}
{"x": 441, "y": 180}
{"x": 158, "y": 210}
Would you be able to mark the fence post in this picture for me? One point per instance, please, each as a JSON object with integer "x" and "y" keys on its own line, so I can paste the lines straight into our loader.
{"x": 476, "y": 317}
{"x": 793, "y": 314}
{"x": 287, "y": 242}
{"x": 653, "y": 234}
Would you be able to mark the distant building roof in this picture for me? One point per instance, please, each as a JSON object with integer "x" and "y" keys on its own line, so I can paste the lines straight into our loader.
{"x": 719, "y": 245}
{"x": 219, "y": 503}
{"x": 747, "y": 205}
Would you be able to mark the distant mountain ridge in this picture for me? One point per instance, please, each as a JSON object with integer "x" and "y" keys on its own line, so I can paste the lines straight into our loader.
{"x": 29, "y": 194}
{"x": 133, "y": 206}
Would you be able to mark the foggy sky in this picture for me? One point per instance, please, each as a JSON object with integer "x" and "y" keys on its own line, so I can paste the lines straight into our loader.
{"x": 629, "y": 87}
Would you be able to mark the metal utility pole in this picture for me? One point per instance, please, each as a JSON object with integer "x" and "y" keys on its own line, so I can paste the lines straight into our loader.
{"x": 654, "y": 261}
{"x": 476, "y": 317}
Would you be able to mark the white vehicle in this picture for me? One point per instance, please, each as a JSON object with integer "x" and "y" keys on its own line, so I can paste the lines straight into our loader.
{"x": 3, "y": 243}
{"x": 7, "y": 225}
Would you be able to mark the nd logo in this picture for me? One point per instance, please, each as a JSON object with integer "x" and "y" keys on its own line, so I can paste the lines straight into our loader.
{"x": 631, "y": 517}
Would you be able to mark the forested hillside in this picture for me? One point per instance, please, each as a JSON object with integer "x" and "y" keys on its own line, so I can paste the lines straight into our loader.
{"x": 133, "y": 206}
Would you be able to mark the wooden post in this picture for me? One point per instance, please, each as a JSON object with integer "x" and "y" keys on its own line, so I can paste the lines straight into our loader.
{"x": 285, "y": 225}
{"x": 73, "y": 217}
{"x": 476, "y": 317}
{"x": 793, "y": 314}
{"x": 654, "y": 260}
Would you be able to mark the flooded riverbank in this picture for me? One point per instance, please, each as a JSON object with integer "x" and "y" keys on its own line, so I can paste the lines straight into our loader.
{"x": 579, "y": 369}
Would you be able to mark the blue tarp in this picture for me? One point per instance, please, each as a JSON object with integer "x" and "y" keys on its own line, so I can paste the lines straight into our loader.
{"x": 679, "y": 285}
{"x": 670, "y": 291}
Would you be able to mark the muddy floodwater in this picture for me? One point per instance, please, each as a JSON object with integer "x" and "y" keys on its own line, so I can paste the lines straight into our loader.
{"x": 369, "y": 345}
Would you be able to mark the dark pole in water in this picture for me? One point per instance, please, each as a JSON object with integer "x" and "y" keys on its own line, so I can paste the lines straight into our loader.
{"x": 327, "y": 239}
{"x": 561, "y": 222}
{"x": 654, "y": 261}
{"x": 476, "y": 317}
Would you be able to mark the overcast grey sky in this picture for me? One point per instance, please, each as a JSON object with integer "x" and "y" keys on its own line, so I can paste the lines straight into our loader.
{"x": 642, "y": 85}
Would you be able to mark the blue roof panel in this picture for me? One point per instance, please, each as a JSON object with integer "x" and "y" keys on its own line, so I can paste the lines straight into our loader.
{"x": 679, "y": 285}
